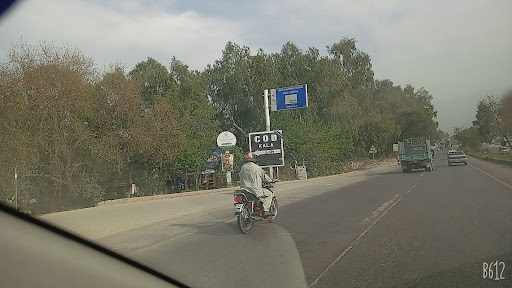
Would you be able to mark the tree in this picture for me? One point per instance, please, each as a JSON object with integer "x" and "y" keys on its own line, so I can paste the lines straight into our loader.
{"x": 198, "y": 119}
{"x": 506, "y": 105}
{"x": 153, "y": 78}
{"x": 78, "y": 136}
{"x": 485, "y": 121}
{"x": 232, "y": 93}
{"x": 117, "y": 127}
{"x": 490, "y": 116}
{"x": 469, "y": 137}
{"x": 416, "y": 116}
{"x": 51, "y": 92}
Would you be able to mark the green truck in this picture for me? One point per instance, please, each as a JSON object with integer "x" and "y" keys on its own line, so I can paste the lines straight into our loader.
{"x": 415, "y": 153}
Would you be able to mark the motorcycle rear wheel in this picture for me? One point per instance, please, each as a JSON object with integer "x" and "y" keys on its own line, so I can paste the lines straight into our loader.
{"x": 244, "y": 220}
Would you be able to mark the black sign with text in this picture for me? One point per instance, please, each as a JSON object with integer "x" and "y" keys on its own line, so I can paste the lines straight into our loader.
{"x": 268, "y": 148}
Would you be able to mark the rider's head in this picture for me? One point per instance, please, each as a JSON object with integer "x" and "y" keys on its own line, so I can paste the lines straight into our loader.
{"x": 250, "y": 157}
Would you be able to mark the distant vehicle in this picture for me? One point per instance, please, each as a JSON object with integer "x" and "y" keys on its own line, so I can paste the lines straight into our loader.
{"x": 504, "y": 150}
{"x": 450, "y": 151}
{"x": 415, "y": 153}
{"x": 457, "y": 157}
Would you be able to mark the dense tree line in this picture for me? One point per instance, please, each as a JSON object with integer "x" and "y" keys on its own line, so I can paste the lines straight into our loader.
{"x": 75, "y": 135}
{"x": 493, "y": 120}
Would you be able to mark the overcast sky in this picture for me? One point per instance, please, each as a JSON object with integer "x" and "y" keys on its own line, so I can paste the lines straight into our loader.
{"x": 458, "y": 50}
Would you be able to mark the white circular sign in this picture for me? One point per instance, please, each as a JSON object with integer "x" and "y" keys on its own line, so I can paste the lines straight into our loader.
{"x": 226, "y": 140}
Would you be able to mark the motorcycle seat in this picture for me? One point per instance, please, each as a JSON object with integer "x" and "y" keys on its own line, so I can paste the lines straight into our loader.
{"x": 248, "y": 195}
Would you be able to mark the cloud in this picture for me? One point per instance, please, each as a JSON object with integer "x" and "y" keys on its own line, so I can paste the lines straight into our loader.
{"x": 458, "y": 50}
{"x": 129, "y": 31}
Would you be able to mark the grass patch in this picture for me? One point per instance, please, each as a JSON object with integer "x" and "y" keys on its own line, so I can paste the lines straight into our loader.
{"x": 504, "y": 159}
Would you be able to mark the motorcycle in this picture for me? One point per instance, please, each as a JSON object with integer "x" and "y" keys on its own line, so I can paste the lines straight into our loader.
{"x": 249, "y": 209}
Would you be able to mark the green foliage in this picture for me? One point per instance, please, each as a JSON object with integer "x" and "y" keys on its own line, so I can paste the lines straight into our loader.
{"x": 154, "y": 79}
{"x": 322, "y": 148}
{"x": 89, "y": 189}
{"x": 77, "y": 136}
{"x": 506, "y": 105}
{"x": 149, "y": 180}
{"x": 484, "y": 121}
{"x": 468, "y": 137}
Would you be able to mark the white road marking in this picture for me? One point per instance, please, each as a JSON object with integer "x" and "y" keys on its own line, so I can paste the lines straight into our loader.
{"x": 380, "y": 209}
{"x": 355, "y": 242}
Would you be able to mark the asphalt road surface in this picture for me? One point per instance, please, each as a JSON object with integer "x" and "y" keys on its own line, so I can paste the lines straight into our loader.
{"x": 378, "y": 228}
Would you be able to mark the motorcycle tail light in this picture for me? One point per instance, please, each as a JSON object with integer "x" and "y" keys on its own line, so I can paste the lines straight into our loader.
{"x": 238, "y": 199}
{"x": 250, "y": 204}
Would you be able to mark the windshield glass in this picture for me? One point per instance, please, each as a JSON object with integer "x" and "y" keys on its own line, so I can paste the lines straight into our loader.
{"x": 129, "y": 123}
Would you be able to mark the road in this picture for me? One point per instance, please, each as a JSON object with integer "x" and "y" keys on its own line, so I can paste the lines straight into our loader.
{"x": 376, "y": 228}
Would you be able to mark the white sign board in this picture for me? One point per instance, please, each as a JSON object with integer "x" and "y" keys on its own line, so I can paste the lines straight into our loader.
{"x": 302, "y": 174}
{"x": 226, "y": 140}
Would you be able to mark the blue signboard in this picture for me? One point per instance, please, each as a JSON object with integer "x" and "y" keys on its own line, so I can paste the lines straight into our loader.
{"x": 289, "y": 98}
{"x": 214, "y": 158}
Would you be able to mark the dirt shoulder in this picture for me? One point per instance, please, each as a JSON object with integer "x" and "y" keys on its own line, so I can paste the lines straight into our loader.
{"x": 359, "y": 167}
{"x": 503, "y": 159}
{"x": 494, "y": 170}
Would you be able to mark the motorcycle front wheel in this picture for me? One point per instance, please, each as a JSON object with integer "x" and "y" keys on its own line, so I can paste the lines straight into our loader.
{"x": 273, "y": 210}
{"x": 244, "y": 220}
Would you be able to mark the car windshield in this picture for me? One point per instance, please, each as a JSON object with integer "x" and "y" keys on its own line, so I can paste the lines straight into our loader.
{"x": 129, "y": 124}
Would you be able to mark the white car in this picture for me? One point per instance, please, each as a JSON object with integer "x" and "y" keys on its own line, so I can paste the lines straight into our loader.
{"x": 504, "y": 150}
{"x": 457, "y": 157}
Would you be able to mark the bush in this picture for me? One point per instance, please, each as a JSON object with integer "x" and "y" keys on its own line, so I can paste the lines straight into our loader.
{"x": 89, "y": 190}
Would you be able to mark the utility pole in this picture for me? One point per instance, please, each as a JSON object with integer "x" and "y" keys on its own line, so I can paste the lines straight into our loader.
{"x": 267, "y": 124}
{"x": 16, "y": 186}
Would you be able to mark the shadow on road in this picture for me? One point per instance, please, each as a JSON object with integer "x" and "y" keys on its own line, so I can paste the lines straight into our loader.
{"x": 415, "y": 171}
{"x": 217, "y": 227}
{"x": 209, "y": 228}
{"x": 398, "y": 171}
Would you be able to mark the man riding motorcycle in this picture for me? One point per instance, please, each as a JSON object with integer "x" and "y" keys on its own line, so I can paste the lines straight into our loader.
{"x": 251, "y": 178}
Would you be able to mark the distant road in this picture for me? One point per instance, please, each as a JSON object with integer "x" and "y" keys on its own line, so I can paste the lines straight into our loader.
{"x": 376, "y": 228}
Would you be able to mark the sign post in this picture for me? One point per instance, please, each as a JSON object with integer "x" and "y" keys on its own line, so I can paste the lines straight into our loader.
{"x": 267, "y": 124}
{"x": 373, "y": 150}
{"x": 267, "y": 112}
{"x": 282, "y": 99}
{"x": 293, "y": 97}
{"x": 16, "y": 186}
{"x": 227, "y": 140}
